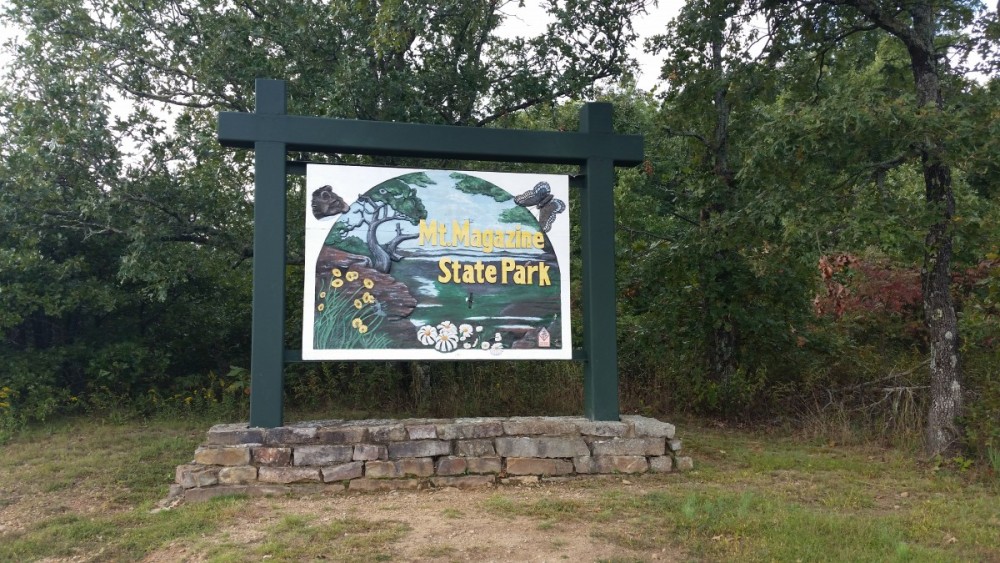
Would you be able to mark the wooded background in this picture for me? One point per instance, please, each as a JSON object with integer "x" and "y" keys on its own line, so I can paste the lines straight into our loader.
{"x": 814, "y": 236}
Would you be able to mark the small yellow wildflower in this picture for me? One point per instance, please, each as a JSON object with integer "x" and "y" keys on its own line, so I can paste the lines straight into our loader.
{"x": 336, "y": 272}
{"x": 363, "y": 329}
{"x": 351, "y": 276}
{"x": 356, "y": 323}
{"x": 369, "y": 283}
{"x": 336, "y": 283}
{"x": 357, "y": 304}
{"x": 367, "y": 298}
{"x": 321, "y": 307}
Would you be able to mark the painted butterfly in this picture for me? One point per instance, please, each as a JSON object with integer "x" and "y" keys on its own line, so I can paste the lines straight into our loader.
{"x": 548, "y": 206}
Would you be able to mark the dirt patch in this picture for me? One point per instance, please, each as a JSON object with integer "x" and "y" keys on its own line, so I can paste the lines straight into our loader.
{"x": 445, "y": 525}
{"x": 20, "y": 511}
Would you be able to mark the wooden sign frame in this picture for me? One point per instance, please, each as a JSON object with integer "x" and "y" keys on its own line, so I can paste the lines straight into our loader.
{"x": 272, "y": 133}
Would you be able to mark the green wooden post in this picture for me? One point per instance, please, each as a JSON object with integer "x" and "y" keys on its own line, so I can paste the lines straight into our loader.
{"x": 597, "y": 218}
{"x": 268, "y": 330}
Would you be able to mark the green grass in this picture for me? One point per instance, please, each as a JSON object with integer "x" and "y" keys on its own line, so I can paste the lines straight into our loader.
{"x": 777, "y": 499}
{"x": 82, "y": 489}
{"x": 123, "y": 536}
{"x": 546, "y": 508}
{"x": 85, "y": 487}
{"x": 298, "y": 538}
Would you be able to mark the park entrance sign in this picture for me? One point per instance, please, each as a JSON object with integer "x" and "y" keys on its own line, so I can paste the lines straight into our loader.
{"x": 435, "y": 264}
{"x": 595, "y": 148}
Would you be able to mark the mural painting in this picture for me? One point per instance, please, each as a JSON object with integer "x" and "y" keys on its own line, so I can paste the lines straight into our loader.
{"x": 435, "y": 264}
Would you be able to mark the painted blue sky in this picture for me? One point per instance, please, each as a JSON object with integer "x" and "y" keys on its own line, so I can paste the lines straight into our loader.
{"x": 446, "y": 203}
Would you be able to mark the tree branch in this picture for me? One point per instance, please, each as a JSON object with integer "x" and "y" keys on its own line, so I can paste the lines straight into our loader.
{"x": 642, "y": 232}
{"x": 689, "y": 134}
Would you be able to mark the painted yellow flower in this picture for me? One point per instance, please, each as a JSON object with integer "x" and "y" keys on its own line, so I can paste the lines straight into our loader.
{"x": 358, "y": 304}
{"x": 336, "y": 272}
{"x": 356, "y": 323}
{"x": 336, "y": 283}
{"x": 363, "y": 329}
{"x": 369, "y": 283}
{"x": 368, "y": 298}
{"x": 322, "y": 295}
{"x": 351, "y": 276}
{"x": 320, "y": 308}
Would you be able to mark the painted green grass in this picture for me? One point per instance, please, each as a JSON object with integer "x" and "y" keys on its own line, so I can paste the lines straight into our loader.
{"x": 346, "y": 320}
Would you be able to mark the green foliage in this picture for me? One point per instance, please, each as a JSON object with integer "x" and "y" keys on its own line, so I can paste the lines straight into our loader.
{"x": 714, "y": 273}
{"x": 441, "y": 62}
{"x": 416, "y": 179}
{"x": 474, "y": 185}
{"x": 351, "y": 244}
{"x": 125, "y": 232}
{"x": 398, "y": 194}
{"x": 982, "y": 419}
{"x": 439, "y": 389}
{"x": 520, "y": 215}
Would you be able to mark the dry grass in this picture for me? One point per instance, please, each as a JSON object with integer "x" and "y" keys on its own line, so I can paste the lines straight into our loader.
{"x": 83, "y": 491}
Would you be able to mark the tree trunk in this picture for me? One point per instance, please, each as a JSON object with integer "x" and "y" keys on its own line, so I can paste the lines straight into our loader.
{"x": 380, "y": 258}
{"x": 939, "y": 312}
{"x": 942, "y": 431}
{"x": 391, "y": 246}
{"x": 723, "y": 341}
{"x": 383, "y": 256}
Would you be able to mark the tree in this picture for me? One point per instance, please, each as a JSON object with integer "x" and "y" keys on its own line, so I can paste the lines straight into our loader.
{"x": 83, "y": 315}
{"x": 139, "y": 203}
{"x": 707, "y": 60}
{"x": 390, "y": 201}
{"x": 723, "y": 274}
{"x": 402, "y": 60}
{"x": 926, "y": 30}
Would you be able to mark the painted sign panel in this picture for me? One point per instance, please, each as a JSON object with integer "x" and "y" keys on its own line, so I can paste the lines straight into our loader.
{"x": 435, "y": 264}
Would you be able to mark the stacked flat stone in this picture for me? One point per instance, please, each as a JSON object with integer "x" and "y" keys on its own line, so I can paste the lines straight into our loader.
{"x": 338, "y": 455}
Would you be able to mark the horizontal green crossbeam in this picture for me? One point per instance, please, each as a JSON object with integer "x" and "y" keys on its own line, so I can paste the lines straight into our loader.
{"x": 377, "y": 138}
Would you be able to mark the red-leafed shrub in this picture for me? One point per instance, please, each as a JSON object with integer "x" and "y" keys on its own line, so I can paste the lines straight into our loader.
{"x": 863, "y": 287}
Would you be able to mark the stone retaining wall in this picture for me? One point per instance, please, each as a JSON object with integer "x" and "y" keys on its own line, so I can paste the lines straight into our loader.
{"x": 337, "y": 455}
